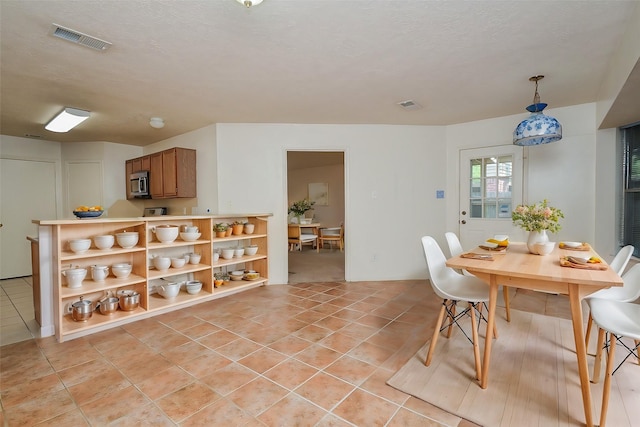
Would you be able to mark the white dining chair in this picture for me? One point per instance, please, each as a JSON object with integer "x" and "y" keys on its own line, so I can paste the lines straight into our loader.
{"x": 455, "y": 249}
{"x": 615, "y": 320}
{"x": 620, "y": 261}
{"x": 453, "y": 287}
{"x": 630, "y": 291}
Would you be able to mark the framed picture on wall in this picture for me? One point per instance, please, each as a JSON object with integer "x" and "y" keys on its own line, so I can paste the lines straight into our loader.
{"x": 319, "y": 193}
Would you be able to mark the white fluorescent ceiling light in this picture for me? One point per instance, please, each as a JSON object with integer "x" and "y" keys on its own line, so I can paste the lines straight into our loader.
{"x": 67, "y": 120}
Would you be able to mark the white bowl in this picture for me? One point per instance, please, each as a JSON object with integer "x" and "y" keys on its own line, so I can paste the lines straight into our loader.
{"x": 75, "y": 276}
{"x": 193, "y": 287}
{"x": 104, "y": 242}
{"x": 251, "y": 250}
{"x": 178, "y": 262}
{"x": 194, "y": 258}
{"x": 127, "y": 239}
{"x": 501, "y": 237}
{"x": 169, "y": 290}
{"x": 238, "y": 252}
{"x": 79, "y": 246}
{"x": 122, "y": 270}
{"x": 166, "y": 233}
{"x": 236, "y": 275}
{"x": 572, "y": 244}
{"x": 227, "y": 253}
{"x": 190, "y": 237}
{"x": 162, "y": 263}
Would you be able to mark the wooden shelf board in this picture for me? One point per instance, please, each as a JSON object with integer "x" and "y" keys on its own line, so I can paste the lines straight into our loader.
{"x": 68, "y": 256}
{"x": 245, "y": 258}
{"x": 188, "y": 268}
{"x": 90, "y": 286}
{"x": 175, "y": 243}
{"x": 70, "y": 326}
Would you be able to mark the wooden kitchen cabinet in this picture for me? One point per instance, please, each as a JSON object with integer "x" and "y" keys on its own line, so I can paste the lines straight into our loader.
{"x": 135, "y": 165}
{"x": 173, "y": 173}
{"x": 141, "y": 164}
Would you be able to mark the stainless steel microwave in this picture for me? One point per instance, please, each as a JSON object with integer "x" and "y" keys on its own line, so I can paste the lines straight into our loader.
{"x": 139, "y": 185}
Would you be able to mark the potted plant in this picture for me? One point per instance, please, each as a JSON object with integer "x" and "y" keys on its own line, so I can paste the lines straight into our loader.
{"x": 237, "y": 227}
{"x": 300, "y": 207}
{"x": 537, "y": 219}
{"x": 220, "y": 229}
{"x": 220, "y": 278}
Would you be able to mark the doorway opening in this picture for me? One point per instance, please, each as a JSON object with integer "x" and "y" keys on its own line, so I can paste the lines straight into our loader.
{"x": 317, "y": 176}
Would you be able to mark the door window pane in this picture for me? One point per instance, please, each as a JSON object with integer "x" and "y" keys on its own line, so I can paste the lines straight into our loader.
{"x": 491, "y": 183}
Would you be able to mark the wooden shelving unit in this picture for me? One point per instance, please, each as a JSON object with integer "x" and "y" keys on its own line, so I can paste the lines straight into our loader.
{"x": 144, "y": 277}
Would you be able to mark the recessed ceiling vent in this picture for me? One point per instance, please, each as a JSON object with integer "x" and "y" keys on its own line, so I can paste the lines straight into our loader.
{"x": 409, "y": 105}
{"x": 77, "y": 37}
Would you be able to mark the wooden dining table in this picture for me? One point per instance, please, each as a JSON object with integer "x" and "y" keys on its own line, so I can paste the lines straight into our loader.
{"x": 517, "y": 268}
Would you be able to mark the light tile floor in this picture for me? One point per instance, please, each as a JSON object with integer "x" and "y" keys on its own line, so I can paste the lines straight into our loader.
{"x": 310, "y": 354}
{"x": 17, "y": 318}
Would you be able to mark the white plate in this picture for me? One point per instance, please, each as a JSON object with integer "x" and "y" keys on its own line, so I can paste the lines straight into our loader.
{"x": 572, "y": 244}
{"x": 490, "y": 245}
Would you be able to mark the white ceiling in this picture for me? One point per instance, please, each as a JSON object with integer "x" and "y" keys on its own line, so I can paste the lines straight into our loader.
{"x": 199, "y": 62}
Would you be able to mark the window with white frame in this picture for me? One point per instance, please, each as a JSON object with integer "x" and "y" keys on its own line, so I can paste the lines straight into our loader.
{"x": 630, "y": 222}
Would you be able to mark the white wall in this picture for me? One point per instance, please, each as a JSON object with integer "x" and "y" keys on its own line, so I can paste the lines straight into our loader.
{"x": 391, "y": 175}
{"x": 111, "y": 157}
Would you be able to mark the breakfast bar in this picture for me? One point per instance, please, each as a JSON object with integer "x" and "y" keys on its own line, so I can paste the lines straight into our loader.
{"x": 517, "y": 268}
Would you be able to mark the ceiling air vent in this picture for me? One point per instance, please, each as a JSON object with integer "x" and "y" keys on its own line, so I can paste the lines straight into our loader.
{"x": 77, "y": 37}
{"x": 409, "y": 105}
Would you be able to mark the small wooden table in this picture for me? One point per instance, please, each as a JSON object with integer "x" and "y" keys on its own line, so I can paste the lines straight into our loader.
{"x": 517, "y": 268}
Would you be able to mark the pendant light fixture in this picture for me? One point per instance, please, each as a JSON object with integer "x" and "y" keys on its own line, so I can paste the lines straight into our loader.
{"x": 249, "y": 3}
{"x": 538, "y": 128}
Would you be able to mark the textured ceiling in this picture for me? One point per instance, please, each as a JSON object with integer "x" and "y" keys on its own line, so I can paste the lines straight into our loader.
{"x": 199, "y": 62}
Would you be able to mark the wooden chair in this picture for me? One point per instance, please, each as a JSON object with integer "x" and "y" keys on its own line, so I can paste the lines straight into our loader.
{"x": 296, "y": 238}
{"x": 335, "y": 234}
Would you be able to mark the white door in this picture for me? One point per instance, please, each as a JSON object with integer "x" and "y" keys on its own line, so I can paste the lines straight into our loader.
{"x": 490, "y": 188}
{"x": 27, "y": 192}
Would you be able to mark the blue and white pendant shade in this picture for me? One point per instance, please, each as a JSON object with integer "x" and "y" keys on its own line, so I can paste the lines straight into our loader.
{"x": 538, "y": 128}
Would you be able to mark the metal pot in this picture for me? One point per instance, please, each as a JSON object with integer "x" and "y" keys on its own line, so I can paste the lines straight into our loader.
{"x": 81, "y": 311}
{"x": 128, "y": 300}
{"x": 108, "y": 305}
